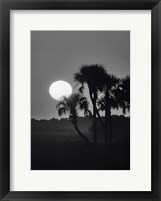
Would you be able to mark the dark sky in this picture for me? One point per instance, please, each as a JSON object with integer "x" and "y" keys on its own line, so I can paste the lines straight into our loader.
{"x": 57, "y": 55}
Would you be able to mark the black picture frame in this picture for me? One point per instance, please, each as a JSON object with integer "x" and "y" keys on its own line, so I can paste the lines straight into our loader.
{"x": 5, "y": 7}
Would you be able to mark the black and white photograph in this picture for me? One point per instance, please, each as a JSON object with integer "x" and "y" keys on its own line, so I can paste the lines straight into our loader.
{"x": 80, "y": 100}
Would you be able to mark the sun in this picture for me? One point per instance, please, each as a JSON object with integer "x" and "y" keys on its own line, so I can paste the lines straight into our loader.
{"x": 59, "y": 89}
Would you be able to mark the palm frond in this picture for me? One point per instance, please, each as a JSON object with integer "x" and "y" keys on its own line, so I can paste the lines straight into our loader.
{"x": 78, "y": 78}
{"x": 101, "y": 104}
{"x": 81, "y": 89}
{"x": 93, "y": 75}
{"x": 61, "y": 111}
{"x": 88, "y": 113}
{"x": 61, "y": 104}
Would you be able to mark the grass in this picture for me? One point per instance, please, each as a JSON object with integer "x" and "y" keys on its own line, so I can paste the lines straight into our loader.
{"x": 61, "y": 152}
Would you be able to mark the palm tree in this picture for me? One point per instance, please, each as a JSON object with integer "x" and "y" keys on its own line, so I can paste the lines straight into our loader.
{"x": 72, "y": 106}
{"x": 116, "y": 95}
{"x": 122, "y": 94}
{"x": 108, "y": 102}
{"x": 92, "y": 76}
{"x": 125, "y": 94}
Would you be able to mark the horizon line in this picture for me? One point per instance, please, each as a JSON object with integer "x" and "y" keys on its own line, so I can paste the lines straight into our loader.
{"x": 78, "y": 117}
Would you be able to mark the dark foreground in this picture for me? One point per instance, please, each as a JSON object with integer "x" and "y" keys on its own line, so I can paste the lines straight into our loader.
{"x": 51, "y": 154}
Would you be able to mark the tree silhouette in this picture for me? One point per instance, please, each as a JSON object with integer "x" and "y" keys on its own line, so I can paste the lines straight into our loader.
{"x": 92, "y": 76}
{"x": 72, "y": 107}
{"x": 124, "y": 94}
{"x": 109, "y": 101}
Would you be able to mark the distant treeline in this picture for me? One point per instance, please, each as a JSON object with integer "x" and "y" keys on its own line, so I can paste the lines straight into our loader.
{"x": 121, "y": 124}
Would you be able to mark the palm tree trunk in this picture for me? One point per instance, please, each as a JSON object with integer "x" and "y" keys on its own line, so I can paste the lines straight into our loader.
{"x": 110, "y": 128}
{"x": 107, "y": 117}
{"x": 80, "y": 134}
{"x": 106, "y": 125}
{"x": 94, "y": 123}
{"x": 100, "y": 119}
{"x": 93, "y": 99}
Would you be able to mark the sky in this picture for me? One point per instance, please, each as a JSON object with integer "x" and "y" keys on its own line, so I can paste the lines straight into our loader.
{"x": 57, "y": 55}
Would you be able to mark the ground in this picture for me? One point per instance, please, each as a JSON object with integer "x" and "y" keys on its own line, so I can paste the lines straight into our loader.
{"x": 50, "y": 153}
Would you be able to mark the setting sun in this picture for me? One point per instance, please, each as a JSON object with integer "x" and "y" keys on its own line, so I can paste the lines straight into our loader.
{"x": 59, "y": 89}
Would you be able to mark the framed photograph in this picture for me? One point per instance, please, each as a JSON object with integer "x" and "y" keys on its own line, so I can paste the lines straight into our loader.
{"x": 80, "y": 100}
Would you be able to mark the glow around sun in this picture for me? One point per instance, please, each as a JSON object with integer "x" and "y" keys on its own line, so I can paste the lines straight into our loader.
{"x": 59, "y": 89}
